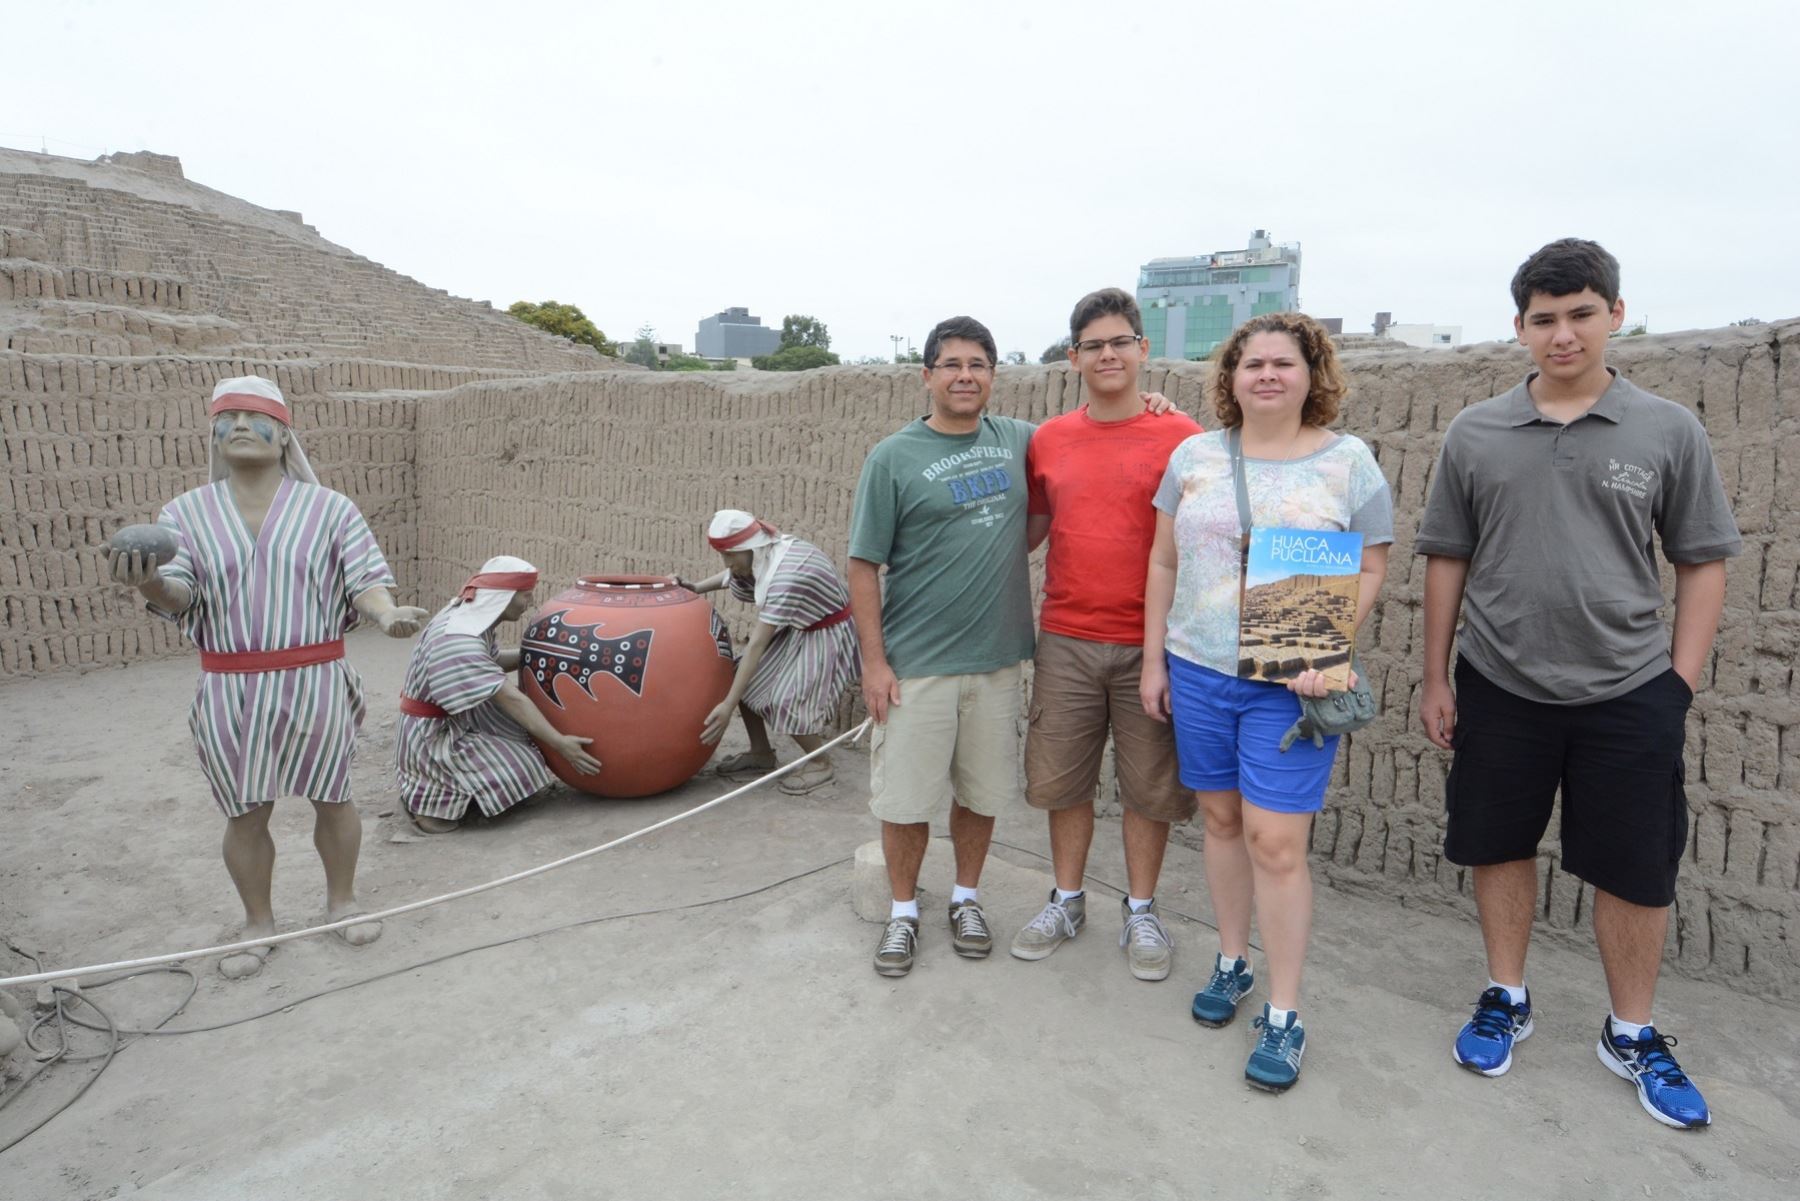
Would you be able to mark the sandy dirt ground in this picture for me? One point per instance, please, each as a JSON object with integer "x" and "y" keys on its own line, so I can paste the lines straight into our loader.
{"x": 714, "y": 1029}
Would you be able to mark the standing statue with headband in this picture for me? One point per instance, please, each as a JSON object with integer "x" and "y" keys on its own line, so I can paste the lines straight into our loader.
{"x": 269, "y": 570}
{"x": 802, "y": 654}
{"x": 465, "y": 728}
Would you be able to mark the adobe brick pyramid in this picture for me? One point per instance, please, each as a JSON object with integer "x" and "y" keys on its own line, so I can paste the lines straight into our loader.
{"x": 126, "y": 292}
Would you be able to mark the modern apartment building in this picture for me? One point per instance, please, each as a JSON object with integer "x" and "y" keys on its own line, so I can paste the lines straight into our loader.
{"x": 1192, "y": 304}
{"x": 733, "y": 334}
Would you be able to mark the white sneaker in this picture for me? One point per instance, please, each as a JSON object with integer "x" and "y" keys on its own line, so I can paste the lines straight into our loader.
{"x": 1148, "y": 949}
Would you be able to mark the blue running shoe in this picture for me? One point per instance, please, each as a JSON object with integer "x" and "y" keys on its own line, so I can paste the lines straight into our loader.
{"x": 1275, "y": 1063}
{"x": 1217, "y": 1003}
{"x": 1485, "y": 1042}
{"x": 1663, "y": 1088}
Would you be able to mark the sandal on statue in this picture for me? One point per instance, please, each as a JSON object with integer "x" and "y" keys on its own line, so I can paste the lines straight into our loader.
{"x": 746, "y": 761}
{"x": 241, "y": 965}
{"x": 806, "y": 779}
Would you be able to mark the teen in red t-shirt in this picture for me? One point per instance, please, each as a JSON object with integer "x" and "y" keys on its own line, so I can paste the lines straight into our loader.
{"x": 1091, "y": 476}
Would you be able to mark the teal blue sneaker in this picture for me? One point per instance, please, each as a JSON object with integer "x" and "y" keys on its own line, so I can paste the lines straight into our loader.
{"x": 1275, "y": 1063}
{"x": 1663, "y": 1088}
{"x": 1217, "y": 1003}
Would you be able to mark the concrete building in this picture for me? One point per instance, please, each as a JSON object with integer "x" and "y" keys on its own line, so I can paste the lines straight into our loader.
{"x": 734, "y": 334}
{"x": 1192, "y": 304}
{"x": 1420, "y": 334}
{"x": 663, "y": 349}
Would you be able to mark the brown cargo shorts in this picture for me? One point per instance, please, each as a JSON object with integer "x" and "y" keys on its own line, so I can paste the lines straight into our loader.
{"x": 1080, "y": 690}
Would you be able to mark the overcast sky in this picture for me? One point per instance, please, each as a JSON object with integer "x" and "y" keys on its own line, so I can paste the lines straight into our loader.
{"x": 883, "y": 166}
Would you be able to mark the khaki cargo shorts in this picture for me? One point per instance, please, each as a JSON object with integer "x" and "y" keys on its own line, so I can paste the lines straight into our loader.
{"x": 1079, "y": 690}
{"x": 949, "y": 736}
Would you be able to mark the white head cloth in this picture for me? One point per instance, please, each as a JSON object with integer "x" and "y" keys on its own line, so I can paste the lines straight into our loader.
{"x": 257, "y": 395}
{"x": 475, "y": 615}
{"x": 734, "y": 529}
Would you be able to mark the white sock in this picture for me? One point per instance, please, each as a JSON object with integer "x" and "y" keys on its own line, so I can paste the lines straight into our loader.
{"x": 1282, "y": 1018}
{"x": 1139, "y": 904}
{"x": 1514, "y": 992}
{"x": 1630, "y": 1030}
{"x": 959, "y": 894}
{"x": 1228, "y": 962}
{"x": 905, "y": 909}
{"x": 1064, "y": 896}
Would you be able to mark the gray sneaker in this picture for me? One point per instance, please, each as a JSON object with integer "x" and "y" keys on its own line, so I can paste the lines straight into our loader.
{"x": 1148, "y": 949}
{"x": 1056, "y": 923}
{"x": 969, "y": 932}
{"x": 899, "y": 943}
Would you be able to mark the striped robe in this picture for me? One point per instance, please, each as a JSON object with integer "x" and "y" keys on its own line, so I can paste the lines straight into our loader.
{"x": 478, "y": 755}
{"x": 266, "y": 735}
{"x": 803, "y": 673}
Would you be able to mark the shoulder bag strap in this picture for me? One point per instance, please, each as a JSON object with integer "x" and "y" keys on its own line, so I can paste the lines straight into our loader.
{"x": 1234, "y": 444}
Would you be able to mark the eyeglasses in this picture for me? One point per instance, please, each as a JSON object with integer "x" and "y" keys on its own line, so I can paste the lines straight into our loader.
{"x": 957, "y": 368}
{"x": 1120, "y": 344}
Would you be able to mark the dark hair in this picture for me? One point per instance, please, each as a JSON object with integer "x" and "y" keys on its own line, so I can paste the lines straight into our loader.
{"x": 1107, "y": 302}
{"x": 1322, "y": 395}
{"x": 959, "y": 327}
{"x": 1565, "y": 267}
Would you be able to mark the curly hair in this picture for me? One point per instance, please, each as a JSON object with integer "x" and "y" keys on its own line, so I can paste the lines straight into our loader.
{"x": 1327, "y": 388}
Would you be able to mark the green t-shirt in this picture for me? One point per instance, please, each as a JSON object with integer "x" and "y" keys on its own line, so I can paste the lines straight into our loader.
{"x": 946, "y": 514}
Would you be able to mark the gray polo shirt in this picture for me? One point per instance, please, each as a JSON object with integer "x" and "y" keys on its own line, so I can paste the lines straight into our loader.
{"x": 1559, "y": 522}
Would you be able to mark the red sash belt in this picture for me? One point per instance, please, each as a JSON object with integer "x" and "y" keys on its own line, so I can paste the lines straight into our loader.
{"x": 283, "y": 660}
{"x": 417, "y": 708}
{"x": 824, "y": 623}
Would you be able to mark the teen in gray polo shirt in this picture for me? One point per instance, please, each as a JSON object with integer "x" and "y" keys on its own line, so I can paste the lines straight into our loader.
{"x": 1541, "y": 526}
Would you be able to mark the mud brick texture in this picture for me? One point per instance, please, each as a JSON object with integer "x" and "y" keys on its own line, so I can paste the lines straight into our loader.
{"x": 116, "y": 250}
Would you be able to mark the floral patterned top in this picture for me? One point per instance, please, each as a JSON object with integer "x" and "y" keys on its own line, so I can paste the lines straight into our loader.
{"x": 1337, "y": 487}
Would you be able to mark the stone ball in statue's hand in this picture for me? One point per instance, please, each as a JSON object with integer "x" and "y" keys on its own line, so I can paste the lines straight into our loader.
{"x": 152, "y": 541}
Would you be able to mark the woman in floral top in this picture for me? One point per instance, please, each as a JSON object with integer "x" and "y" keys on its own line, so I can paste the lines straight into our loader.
{"x": 1277, "y": 382}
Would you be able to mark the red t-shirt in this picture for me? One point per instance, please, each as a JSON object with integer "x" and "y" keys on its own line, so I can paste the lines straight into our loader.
{"x": 1095, "y": 480}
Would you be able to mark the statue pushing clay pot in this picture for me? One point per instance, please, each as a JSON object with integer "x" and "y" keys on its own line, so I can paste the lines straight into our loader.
{"x": 634, "y": 663}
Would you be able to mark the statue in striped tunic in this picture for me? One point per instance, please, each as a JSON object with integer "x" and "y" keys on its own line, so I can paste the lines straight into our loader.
{"x": 270, "y": 571}
{"x": 803, "y": 652}
{"x": 466, "y": 729}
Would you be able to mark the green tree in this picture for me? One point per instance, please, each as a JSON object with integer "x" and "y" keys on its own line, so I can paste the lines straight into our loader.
{"x": 1056, "y": 352}
{"x": 799, "y": 330}
{"x": 686, "y": 362}
{"x": 643, "y": 350}
{"x": 1015, "y": 358}
{"x": 554, "y": 317}
{"x": 795, "y": 358}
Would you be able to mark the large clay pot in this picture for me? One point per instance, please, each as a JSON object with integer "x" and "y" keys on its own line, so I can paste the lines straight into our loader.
{"x": 635, "y": 663}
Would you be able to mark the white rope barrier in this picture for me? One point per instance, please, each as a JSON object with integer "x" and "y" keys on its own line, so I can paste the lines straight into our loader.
{"x": 276, "y": 939}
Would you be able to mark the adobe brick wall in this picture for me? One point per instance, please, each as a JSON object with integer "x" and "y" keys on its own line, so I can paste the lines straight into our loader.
{"x": 132, "y": 232}
{"x": 617, "y": 473}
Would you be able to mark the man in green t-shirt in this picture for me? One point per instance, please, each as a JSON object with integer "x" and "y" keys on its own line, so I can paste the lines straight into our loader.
{"x": 941, "y": 504}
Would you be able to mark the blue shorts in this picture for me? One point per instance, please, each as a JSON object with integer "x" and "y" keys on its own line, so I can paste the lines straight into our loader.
{"x": 1226, "y": 734}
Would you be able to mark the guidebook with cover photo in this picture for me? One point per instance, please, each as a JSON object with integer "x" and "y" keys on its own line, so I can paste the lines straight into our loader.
{"x": 1299, "y": 604}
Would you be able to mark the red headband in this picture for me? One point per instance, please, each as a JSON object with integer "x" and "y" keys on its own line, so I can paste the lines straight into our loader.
{"x": 733, "y": 541}
{"x": 509, "y": 581}
{"x": 235, "y": 402}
